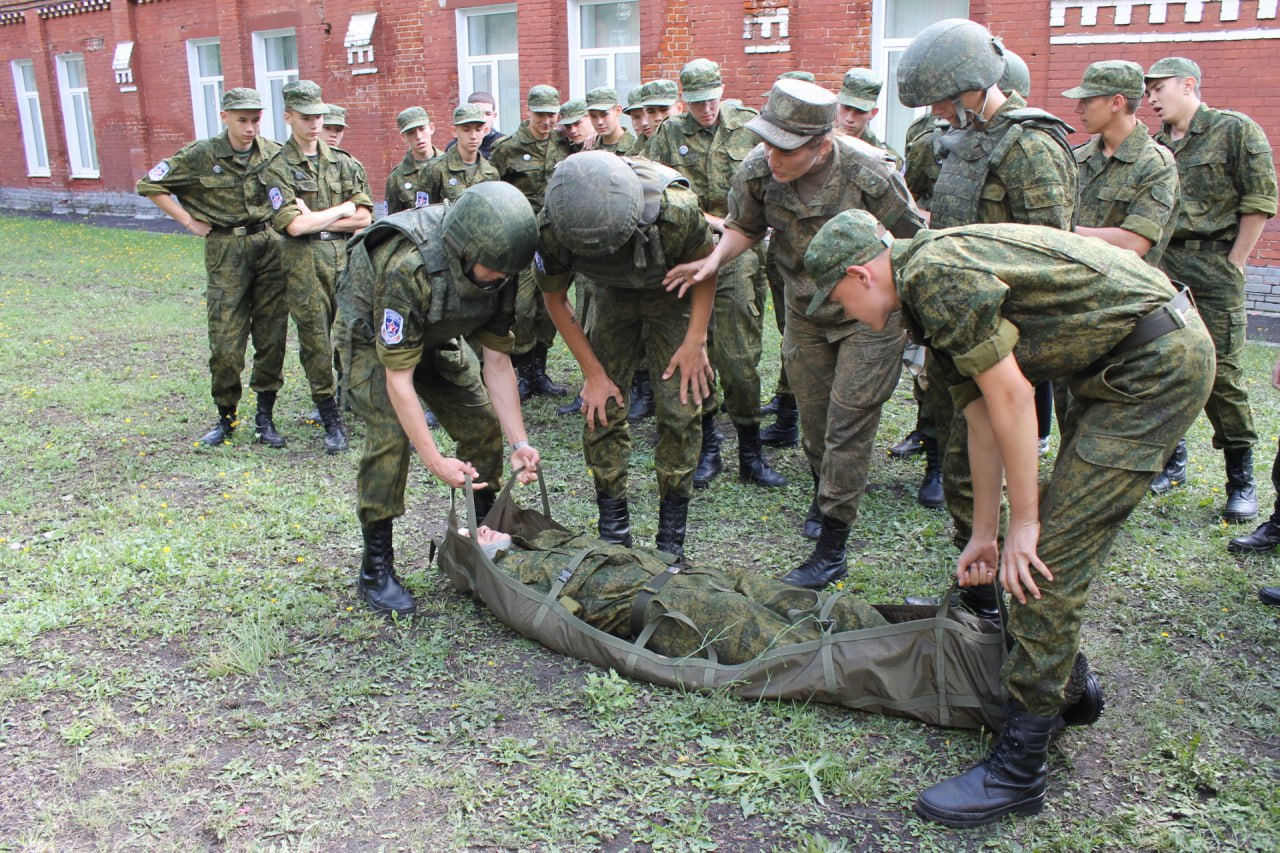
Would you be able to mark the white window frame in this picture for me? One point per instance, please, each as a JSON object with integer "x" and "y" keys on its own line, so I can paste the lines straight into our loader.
{"x": 77, "y": 117}
{"x": 32, "y": 118}
{"x": 509, "y": 115}
{"x": 578, "y": 55}
{"x": 273, "y": 126}
{"x": 199, "y": 108}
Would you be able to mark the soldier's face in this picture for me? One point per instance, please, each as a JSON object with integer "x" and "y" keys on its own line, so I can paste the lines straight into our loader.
{"x": 605, "y": 122}
{"x": 640, "y": 122}
{"x": 242, "y": 127}
{"x": 1097, "y": 112}
{"x": 1172, "y": 99}
{"x": 789, "y": 165}
{"x": 541, "y": 124}
{"x": 306, "y": 128}
{"x": 578, "y": 132}
{"x": 705, "y": 113}
{"x": 419, "y": 141}
{"x": 853, "y": 121}
{"x": 490, "y": 116}
{"x": 867, "y": 294}
{"x": 469, "y": 137}
{"x": 657, "y": 115}
{"x": 485, "y": 278}
{"x": 331, "y": 134}
{"x": 946, "y": 110}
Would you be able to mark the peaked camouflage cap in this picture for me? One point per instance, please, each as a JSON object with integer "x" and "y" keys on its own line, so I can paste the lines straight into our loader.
{"x": 543, "y": 99}
{"x": 700, "y": 80}
{"x": 1174, "y": 66}
{"x": 635, "y": 98}
{"x": 303, "y": 98}
{"x": 469, "y": 114}
{"x": 860, "y": 89}
{"x": 661, "y": 93}
{"x": 241, "y": 98}
{"x": 1109, "y": 77}
{"x": 849, "y": 239}
{"x": 335, "y": 116}
{"x": 572, "y": 112}
{"x": 806, "y": 76}
{"x": 411, "y": 118}
{"x": 602, "y": 98}
{"x": 795, "y": 113}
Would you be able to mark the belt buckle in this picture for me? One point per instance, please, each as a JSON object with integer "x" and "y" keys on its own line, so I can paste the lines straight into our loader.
{"x": 325, "y": 235}
{"x": 240, "y": 230}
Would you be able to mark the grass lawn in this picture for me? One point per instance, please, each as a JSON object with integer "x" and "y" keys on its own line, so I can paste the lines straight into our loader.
{"x": 184, "y": 663}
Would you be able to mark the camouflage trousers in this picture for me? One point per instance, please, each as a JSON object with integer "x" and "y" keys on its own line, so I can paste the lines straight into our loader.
{"x": 533, "y": 323}
{"x": 628, "y": 324}
{"x": 733, "y": 340}
{"x": 776, "y": 291}
{"x": 448, "y": 381}
{"x": 949, "y": 427}
{"x": 312, "y": 268}
{"x": 1218, "y": 288}
{"x": 1124, "y": 421}
{"x": 841, "y": 377}
{"x": 245, "y": 297}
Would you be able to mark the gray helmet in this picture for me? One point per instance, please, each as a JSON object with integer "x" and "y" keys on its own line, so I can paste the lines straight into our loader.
{"x": 947, "y": 58}
{"x": 593, "y": 202}
{"x": 1016, "y": 76}
{"x": 492, "y": 223}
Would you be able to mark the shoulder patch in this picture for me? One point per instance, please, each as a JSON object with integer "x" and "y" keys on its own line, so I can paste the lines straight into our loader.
{"x": 538, "y": 263}
{"x": 392, "y": 327}
{"x": 421, "y": 199}
{"x": 277, "y": 197}
{"x": 158, "y": 171}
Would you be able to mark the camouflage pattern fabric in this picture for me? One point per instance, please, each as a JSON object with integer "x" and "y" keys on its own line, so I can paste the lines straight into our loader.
{"x": 869, "y": 137}
{"x": 776, "y": 288}
{"x": 527, "y": 163}
{"x": 445, "y": 177}
{"x": 405, "y": 184}
{"x": 708, "y": 157}
{"x": 622, "y": 146}
{"x": 1060, "y": 303}
{"x": 924, "y": 154}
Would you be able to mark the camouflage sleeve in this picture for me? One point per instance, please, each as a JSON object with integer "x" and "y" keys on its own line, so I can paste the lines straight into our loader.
{"x": 660, "y": 149}
{"x": 896, "y": 209}
{"x": 746, "y": 206}
{"x": 549, "y": 272}
{"x": 498, "y": 342}
{"x": 1039, "y": 177}
{"x": 393, "y": 194}
{"x": 171, "y": 175}
{"x": 960, "y": 310}
{"x": 1155, "y": 198}
{"x": 279, "y": 190}
{"x": 399, "y": 321}
{"x": 356, "y": 183}
{"x": 683, "y": 228}
{"x": 1255, "y": 173}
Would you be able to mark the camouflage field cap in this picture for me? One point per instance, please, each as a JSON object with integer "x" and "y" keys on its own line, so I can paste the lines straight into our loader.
{"x": 1174, "y": 66}
{"x": 795, "y": 75}
{"x": 469, "y": 114}
{"x": 602, "y": 98}
{"x": 661, "y": 93}
{"x": 849, "y": 239}
{"x": 954, "y": 55}
{"x": 241, "y": 99}
{"x": 860, "y": 89}
{"x": 635, "y": 99}
{"x": 1109, "y": 77}
{"x": 573, "y": 111}
{"x": 544, "y": 99}
{"x": 335, "y": 116}
{"x": 303, "y": 98}
{"x": 700, "y": 81}
{"x": 1016, "y": 76}
{"x": 795, "y": 113}
{"x": 411, "y": 118}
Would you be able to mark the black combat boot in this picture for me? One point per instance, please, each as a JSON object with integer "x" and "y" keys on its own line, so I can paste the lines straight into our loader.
{"x": 753, "y": 468}
{"x": 930, "y": 495}
{"x": 573, "y": 407}
{"x": 485, "y": 499}
{"x": 615, "y": 520}
{"x": 709, "y": 462}
{"x": 642, "y": 403}
{"x": 1242, "y": 492}
{"x": 542, "y": 384}
{"x": 909, "y": 446}
{"x": 785, "y": 429}
{"x": 1264, "y": 539}
{"x": 827, "y": 562}
{"x": 981, "y": 601}
{"x": 335, "y": 432}
{"x": 221, "y": 432}
{"x": 264, "y": 426}
{"x": 673, "y": 516}
{"x": 524, "y": 384}
{"x": 1083, "y": 700}
{"x": 813, "y": 518}
{"x": 1269, "y": 595}
{"x": 378, "y": 583}
{"x": 1175, "y": 470}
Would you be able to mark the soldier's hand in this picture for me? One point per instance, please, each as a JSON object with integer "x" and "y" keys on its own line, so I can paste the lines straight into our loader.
{"x": 978, "y": 562}
{"x": 525, "y": 461}
{"x": 595, "y": 397}
{"x": 198, "y": 228}
{"x": 684, "y": 276}
{"x": 1019, "y": 558}
{"x": 453, "y": 472}
{"x": 695, "y": 371}
{"x": 302, "y": 205}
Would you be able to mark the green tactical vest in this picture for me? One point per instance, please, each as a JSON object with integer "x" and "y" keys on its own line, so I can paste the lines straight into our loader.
{"x": 640, "y": 263}
{"x": 971, "y": 155}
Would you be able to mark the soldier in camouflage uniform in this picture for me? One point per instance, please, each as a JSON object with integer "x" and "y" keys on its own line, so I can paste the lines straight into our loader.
{"x": 639, "y": 121}
{"x": 460, "y": 167}
{"x": 575, "y": 126}
{"x": 207, "y": 186}
{"x": 320, "y": 197}
{"x": 1228, "y": 191}
{"x": 856, "y": 107}
{"x": 708, "y": 145}
{"x": 605, "y": 112}
{"x": 661, "y": 101}
{"x": 1267, "y": 536}
{"x": 622, "y": 223}
{"x": 405, "y": 183}
{"x": 417, "y": 282}
{"x": 335, "y": 125}
{"x": 1003, "y": 306}
{"x": 841, "y": 371}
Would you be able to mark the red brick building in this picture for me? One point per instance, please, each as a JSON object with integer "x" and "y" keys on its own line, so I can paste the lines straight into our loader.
{"x": 102, "y": 89}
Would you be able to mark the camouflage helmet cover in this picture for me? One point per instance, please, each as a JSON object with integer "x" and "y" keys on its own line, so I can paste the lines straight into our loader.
{"x": 1016, "y": 76}
{"x": 492, "y": 224}
{"x": 947, "y": 58}
{"x": 593, "y": 203}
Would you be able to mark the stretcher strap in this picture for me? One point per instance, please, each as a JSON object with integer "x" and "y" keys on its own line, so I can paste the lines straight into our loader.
{"x": 557, "y": 586}
{"x": 825, "y": 644}
{"x": 708, "y": 666}
{"x": 646, "y": 595}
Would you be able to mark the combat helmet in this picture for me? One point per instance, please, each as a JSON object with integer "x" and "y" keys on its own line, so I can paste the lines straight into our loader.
{"x": 947, "y": 58}
{"x": 492, "y": 224}
{"x": 1016, "y": 76}
{"x": 593, "y": 202}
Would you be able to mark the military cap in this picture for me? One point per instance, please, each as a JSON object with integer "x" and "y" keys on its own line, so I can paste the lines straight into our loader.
{"x": 602, "y": 98}
{"x": 795, "y": 113}
{"x": 573, "y": 111}
{"x": 700, "y": 81}
{"x": 661, "y": 93}
{"x": 241, "y": 99}
{"x": 806, "y": 76}
{"x": 1174, "y": 66}
{"x": 303, "y": 98}
{"x": 635, "y": 98}
{"x": 850, "y": 238}
{"x": 469, "y": 114}
{"x": 544, "y": 99}
{"x": 860, "y": 89}
{"x": 1109, "y": 77}
{"x": 411, "y": 118}
{"x": 335, "y": 116}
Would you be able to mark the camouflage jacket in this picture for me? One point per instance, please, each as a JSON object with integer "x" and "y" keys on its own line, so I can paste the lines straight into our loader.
{"x": 212, "y": 183}
{"x": 869, "y": 137}
{"x": 444, "y": 178}
{"x": 924, "y": 157}
{"x": 708, "y": 157}
{"x": 404, "y": 184}
{"x": 526, "y": 163}
{"x": 622, "y": 146}
{"x": 333, "y": 178}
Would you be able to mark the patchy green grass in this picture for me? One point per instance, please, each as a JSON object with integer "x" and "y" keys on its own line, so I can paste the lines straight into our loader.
{"x": 184, "y": 664}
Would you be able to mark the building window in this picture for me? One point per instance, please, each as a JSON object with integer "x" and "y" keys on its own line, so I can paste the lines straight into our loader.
{"x": 204, "y": 63}
{"x": 275, "y": 64}
{"x": 82, "y": 150}
{"x": 604, "y": 46}
{"x": 24, "y": 78}
{"x": 488, "y": 60}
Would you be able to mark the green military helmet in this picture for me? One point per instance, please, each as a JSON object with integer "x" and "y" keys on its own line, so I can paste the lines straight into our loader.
{"x": 492, "y": 224}
{"x": 948, "y": 58}
{"x": 593, "y": 202}
{"x": 1016, "y": 76}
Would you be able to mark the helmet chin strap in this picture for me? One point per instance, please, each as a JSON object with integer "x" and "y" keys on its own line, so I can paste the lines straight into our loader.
{"x": 966, "y": 117}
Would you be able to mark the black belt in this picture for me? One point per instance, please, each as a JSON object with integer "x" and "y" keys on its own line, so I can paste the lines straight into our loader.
{"x": 329, "y": 235}
{"x": 242, "y": 230}
{"x": 1203, "y": 245}
{"x": 1169, "y": 317}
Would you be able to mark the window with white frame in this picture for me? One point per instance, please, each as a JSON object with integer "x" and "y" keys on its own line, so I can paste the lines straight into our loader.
{"x": 204, "y": 64}
{"x": 275, "y": 65}
{"x": 488, "y": 60}
{"x": 24, "y": 79}
{"x": 604, "y": 45}
{"x": 73, "y": 85}
{"x": 894, "y": 24}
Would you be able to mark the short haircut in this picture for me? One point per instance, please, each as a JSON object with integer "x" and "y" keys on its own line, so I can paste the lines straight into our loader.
{"x": 1131, "y": 105}
{"x": 481, "y": 98}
